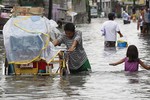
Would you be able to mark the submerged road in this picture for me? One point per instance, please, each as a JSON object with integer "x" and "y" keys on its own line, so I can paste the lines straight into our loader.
{"x": 104, "y": 83}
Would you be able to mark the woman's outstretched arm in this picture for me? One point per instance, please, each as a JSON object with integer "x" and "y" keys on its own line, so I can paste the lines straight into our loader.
{"x": 143, "y": 65}
{"x": 118, "y": 62}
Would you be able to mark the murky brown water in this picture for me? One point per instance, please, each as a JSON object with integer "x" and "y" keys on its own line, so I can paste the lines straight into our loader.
{"x": 104, "y": 83}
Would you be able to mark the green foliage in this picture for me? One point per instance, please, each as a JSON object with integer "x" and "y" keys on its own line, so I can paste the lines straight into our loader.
{"x": 1, "y": 1}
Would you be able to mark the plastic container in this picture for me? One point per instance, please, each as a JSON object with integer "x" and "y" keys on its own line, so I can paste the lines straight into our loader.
{"x": 42, "y": 66}
{"x": 122, "y": 44}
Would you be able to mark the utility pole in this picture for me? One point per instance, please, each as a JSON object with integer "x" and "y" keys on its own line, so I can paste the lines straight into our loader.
{"x": 134, "y": 2}
{"x": 133, "y": 9}
{"x": 99, "y": 4}
{"x": 50, "y": 9}
{"x": 147, "y": 3}
{"x": 88, "y": 10}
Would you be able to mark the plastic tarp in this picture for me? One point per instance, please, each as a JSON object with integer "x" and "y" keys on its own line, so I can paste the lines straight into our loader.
{"x": 27, "y": 38}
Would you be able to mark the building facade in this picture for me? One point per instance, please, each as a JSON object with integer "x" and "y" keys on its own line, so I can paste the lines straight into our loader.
{"x": 78, "y": 6}
{"x": 106, "y": 6}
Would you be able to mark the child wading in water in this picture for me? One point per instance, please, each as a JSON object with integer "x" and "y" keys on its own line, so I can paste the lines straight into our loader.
{"x": 131, "y": 60}
{"x": 77, "y": 58}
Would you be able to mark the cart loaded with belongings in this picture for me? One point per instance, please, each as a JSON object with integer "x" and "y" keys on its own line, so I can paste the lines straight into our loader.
{"x": 27, "y": 36}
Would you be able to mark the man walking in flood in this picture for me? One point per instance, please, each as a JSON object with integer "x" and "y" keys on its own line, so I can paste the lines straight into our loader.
{"x": 110, "y": 29}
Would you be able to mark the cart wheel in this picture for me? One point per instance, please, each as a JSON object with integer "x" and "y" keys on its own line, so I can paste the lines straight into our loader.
{"x": 6, "y": 65}
{"x": 64, "y": 72}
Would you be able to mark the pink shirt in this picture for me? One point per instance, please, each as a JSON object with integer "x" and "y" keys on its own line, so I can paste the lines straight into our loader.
{"x": 131, "y": 66}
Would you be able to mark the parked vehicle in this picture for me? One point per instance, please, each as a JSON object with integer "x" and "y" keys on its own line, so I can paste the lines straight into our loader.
{"x": 5, "y": 13}
{"x": 94, "y": 11}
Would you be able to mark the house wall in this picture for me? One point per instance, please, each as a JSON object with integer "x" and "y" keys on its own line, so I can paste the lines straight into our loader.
{"x": 78, "y": 6}
{"x": 15, "y": 2}
{"x": 106, "y": 6}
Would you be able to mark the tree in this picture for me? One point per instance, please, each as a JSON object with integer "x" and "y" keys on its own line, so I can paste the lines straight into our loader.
{"x": 1, "y": 1}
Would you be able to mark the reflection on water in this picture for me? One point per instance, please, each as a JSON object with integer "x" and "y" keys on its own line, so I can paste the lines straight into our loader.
{"x": 42, "y": 87}
{"x": 109, "y": 50}
{"x": 133, "y": 78}
{"x": 104, "y": 83}
{"x": 72, "y": 84}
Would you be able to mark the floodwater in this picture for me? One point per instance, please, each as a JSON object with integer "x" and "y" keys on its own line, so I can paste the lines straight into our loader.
{"x": 104, "y": 83}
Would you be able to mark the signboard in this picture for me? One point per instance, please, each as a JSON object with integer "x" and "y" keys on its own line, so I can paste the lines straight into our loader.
{"x": 142, "y": 2}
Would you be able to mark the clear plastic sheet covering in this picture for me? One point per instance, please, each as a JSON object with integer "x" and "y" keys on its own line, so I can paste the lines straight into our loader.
{"x": 27, "y": 38}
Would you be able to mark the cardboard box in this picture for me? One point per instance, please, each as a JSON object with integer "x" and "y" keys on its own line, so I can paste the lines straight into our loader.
{"x": 27, "y": 11}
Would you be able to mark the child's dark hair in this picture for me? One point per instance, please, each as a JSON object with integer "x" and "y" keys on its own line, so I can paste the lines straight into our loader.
{"x": 69, "y": 27}
{"x": 111, "y": 16}
{"x": 132, "y": 53}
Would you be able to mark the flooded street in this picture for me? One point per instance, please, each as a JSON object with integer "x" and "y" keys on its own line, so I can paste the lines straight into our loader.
{"x": 104, "y": 83}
